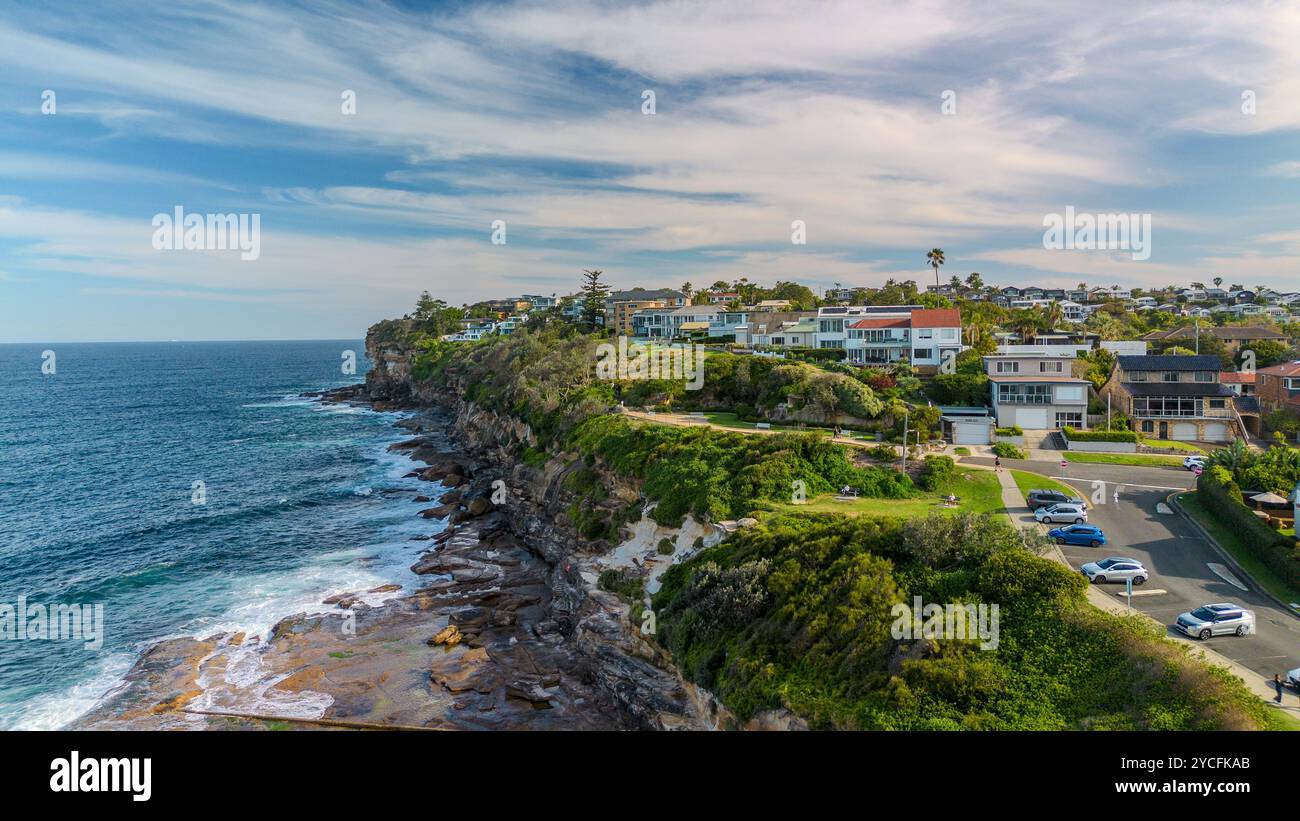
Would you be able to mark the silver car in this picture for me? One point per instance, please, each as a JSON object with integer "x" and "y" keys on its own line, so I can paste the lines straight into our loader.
{"x": 1075, "y": 514}
{"x": 1115, "y": 569}
{"x": 1293, "y": 678}
{"x": 1217, "y": 620}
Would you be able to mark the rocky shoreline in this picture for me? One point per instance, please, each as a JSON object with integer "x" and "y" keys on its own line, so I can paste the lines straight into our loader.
{"x": 507, "y": 629}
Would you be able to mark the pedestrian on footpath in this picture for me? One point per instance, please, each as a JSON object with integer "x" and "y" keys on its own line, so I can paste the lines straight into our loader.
{"x": 1277, "y": 682}
{"x": 997, "y": 463}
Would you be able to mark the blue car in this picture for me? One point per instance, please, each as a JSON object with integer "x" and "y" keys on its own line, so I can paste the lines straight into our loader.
{"x": 1090, "y": 535}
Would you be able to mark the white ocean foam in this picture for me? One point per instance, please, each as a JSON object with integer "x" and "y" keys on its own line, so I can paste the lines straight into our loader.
{"x": 52, "y": 711}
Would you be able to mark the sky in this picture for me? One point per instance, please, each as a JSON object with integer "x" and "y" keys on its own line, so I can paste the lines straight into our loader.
{"x": 887, "y": 129}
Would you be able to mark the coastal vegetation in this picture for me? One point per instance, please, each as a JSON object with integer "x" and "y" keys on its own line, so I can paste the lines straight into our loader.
{"x": 795, "y": 615}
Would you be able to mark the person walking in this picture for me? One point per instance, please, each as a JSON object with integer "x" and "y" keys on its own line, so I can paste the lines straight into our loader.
{"x": 997, "y": 463}
{"x": 1277, "y": 682}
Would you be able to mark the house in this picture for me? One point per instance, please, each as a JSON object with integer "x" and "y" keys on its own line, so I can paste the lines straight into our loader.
{"x": 1234, "y": 337}
{"x": 887, "y": 333}
{"x": 619, "y": 313}
{"x": 722, "y": 297}
{"x": 768, "y": 305}
{"x": 1173, "y": 397}
{"x": 1239, "y": 382}
{"x": 667, "y": 296}
{"x": 1036, "y": 392}
{"x": 1072, "y": 311}
{"x": 539, "y": 301}
{"x": 1278, "y": 388}
{"x": 778, "y": 329}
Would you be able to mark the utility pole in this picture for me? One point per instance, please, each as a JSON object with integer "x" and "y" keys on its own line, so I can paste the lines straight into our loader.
{"x": 1107, "y": 411}
{"x": 905, "y": 415}
{"x": 1197, "y": 323}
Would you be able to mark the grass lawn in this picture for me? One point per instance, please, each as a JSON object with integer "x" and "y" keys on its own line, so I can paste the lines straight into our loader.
{"x": 1229, "y": 540}
{"x": 1170, "y": 444}
{"x": 1155, "y": 459}
{"x": 1027, "y": 481}
{"x": 731, "y": 420}
{"x": 979, "y": 492}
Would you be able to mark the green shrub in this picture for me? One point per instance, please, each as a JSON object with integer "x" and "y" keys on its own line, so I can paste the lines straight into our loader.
{"x": 666, "y": 547}
{"x": 882, "y": 453}
{"x": 1222, "y": 496}
{"x": 1077, "y": 435}
{"x": 1008, "y": 451}
{"x": 936, "y": 471}
{"x": 1014, "y": 430}
{"x": 622, "y": 583}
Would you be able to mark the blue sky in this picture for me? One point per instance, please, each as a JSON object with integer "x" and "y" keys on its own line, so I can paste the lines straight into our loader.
{"x": 531, "y": 113}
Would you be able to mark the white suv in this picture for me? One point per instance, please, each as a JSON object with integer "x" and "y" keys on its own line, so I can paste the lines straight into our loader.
{"x": 1064, "y": 512}
{"x": 1217, "y": 620}
{"x": 1194, "y": 462}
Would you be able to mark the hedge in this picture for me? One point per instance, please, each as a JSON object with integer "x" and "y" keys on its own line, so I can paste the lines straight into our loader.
{"x": 1221, "y": 495}
{"x": 1100, "y": 435}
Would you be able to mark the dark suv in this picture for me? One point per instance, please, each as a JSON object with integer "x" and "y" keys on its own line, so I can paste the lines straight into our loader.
{"x": 1041, "y": 498}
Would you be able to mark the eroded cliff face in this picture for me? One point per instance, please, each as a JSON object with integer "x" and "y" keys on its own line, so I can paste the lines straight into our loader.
{"x": 628, "y": 673}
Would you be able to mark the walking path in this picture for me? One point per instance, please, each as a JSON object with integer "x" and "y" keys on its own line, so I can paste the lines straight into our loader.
{"x": 1018, "y": 512}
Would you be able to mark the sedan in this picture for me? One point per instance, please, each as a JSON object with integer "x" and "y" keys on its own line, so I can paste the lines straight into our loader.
{"x": 1043, "y": 498}
{"x": 1217, "y": 620}
{"x": 1293, "y": 678}
{"x": 1062, "y": 513}
{"x": 1090, "y": 535}
{"x": 1115, "y": 569}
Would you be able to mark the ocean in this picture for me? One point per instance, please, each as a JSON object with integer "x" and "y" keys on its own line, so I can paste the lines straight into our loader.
{"x": 190, "y": 490}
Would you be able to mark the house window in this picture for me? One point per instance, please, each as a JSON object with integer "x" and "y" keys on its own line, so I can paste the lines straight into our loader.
{"x": 832, "y": 343}
{"x": 1049, "y": 367}
{"x": 1204, "y": 376}
{"x": 925, "y": 333}
{"x": 1148, "y": 426}
{"x": 1218, "y": 403}
{"x": 923, "y": 353}
{"x": 1169, "y": 376}
{"x": 1008, "y": 367}
{"x": 949, "y": 333}
{"x": 1138, "y": 376}
{"x": 1073, "y": 419}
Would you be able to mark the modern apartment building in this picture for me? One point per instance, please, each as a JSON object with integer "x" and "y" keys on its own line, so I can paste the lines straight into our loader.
{"x": 1036, "y": 391}
{"x": 1174, "y": 397}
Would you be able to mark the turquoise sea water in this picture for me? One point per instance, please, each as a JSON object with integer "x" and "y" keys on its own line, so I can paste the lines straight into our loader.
{"x": 98, "y": 464}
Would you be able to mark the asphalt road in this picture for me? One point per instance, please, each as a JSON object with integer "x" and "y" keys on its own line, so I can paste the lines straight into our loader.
{"x": 1177, "y": 556}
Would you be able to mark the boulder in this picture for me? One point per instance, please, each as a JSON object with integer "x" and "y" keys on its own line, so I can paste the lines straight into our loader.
{"x": 480, "y": 505}
{"x": 449, "y": 636}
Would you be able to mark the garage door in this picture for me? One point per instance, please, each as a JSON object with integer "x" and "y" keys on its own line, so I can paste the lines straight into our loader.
{"x": 1184, "y": 431}
{"x": 1216, "y": 432}
{"x": 1032, "y": 418}
{"x": 970, "y": 433}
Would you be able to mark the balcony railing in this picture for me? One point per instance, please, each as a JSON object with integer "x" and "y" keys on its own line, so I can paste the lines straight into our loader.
{"x": 1025, "y": 399}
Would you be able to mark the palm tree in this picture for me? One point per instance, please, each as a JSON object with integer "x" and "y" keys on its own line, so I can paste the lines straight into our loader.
{"x": 1218, "y": 281}
{"x": 935, "y": 258}
{"x": 1053, "y": 315}
{"x": 686, "y": 290}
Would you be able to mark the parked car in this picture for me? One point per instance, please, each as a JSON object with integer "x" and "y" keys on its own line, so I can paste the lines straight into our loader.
{"x": 1063, "y": 512}
{"x": 1090, "y": 535}
{"x": 1293, "y": 678}
{"x": 1043, "y": 498}
{"x": 1115, "y": 569}
{"x": 1217, "y": 620}
{"x": 1194, "y": 462}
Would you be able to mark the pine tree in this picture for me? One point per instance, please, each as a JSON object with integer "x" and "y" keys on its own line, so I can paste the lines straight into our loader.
{"x": 594, "y": 294}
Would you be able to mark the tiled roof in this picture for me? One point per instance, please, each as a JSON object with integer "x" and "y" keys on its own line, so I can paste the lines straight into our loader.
{"x": 1236, "y": 378}
{"x": 1247, "y": 404}
{"x": 883, "y": 322}
{"x": 1170, "y": 363}
{"x": 1285, "y": 369}
{"x": 936, "y": 318}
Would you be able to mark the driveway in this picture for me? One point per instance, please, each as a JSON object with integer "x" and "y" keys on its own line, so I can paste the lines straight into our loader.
{"x": 1178, "y": 557}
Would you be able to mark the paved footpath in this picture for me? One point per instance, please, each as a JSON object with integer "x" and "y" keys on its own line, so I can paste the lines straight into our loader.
{"x": 1018, "y": 512}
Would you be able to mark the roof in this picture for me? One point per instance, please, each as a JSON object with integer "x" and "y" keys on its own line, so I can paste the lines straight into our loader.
{"x": 642, "y": 293}
{"x": 936, "y": 318}
{"x": 1219, "y": 332}
{"x": 1236, "y": 378}
{"x": 1205, "y": 362}
{"x": 694, "y": 326}
{"x": 1247, "y": 404}
{"x": 771, "y": 322}
{"x": 882, "y": 322}
{"x": 693, "y": 310}
{"x": 1285, "y": 369}
{"x": 1038, "y": 378}
{"x": 1177, "y": 389}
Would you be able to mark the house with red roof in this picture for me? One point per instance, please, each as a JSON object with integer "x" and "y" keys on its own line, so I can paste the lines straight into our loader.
{"x": 881, "y": 334}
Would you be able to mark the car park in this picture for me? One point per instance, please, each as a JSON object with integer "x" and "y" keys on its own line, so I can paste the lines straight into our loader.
{"x": 1089, "y": 535}
{"x": 1043, "y": 498}
{"x": 1216, "y": 620}
{"x": 1062, "y": 512}
{"x": 1115, "y": 569}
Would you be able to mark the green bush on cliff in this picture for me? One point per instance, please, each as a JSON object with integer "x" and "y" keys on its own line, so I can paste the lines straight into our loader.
{"x": 796, "y": 614}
